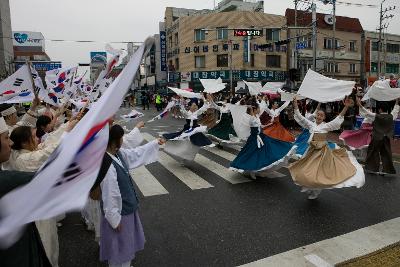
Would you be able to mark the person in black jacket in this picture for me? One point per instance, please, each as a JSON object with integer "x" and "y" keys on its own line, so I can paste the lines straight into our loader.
{"x": 28, "y": 251}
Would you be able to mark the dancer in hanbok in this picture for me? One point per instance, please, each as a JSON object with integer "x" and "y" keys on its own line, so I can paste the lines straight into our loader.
{"x": 380, "y": 149}
{"x": 121, "y": 229}
{"x": 303, "y": 138}
{"x": 224, "y": 132}
{"x": 186, "y": 143}
{"x": 274, "y": 128}
{"x": 261, "y": 153}
{"x": 322, "y": 167}
{"x": 359, "y": 140}
{"x": 209, "y": 117}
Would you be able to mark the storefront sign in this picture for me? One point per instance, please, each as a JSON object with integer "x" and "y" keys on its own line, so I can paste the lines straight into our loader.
{"x": 225, "y": 47}
{"x": 163, "y": 49}
{"x": 41, "y": 66}
{"x": 258, "y": 75}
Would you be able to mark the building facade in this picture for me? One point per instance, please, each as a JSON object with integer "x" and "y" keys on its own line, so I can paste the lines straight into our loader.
{"x": 203, "y": 46}
{"x": 6, "y": 42}
{"x": 390, "y": 55}
{"x": 30, "y": 46}
{"x": 348, "y": 62}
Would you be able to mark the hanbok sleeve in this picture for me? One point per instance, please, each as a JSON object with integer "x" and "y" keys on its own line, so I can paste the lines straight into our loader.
{"x": 285, "y": 105}
{"x": 301, "y": 120}
{"x": 335, "y": 124}
{"x": 111, "y": 196}
{"x": 141, "y": 155}
{"x": 183, "y": 111}
{"x": 133, "y": 139}
{"x": 203, "y": 109}
{"x": 395, "y": 112}
{"x": 367, "y": 114}
{"x": 263, "y": 106}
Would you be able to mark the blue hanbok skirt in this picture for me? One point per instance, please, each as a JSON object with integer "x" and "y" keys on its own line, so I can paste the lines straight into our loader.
{"x": 253, "y": 158}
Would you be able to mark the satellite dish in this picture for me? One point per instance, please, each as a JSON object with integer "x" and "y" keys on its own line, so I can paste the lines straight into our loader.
{"x": 328, "y": 19}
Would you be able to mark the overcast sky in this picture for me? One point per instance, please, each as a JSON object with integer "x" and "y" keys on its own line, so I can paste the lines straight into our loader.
{"x": 134, "y": 20}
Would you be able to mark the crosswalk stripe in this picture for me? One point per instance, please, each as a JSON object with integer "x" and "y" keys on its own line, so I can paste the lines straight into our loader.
{"x": 147, "y": 183}
{"x": 225, "y": 173}
{"x": 235, "y": 147}
{"x": 224, "y": 154}
{"x": 192, "y": 180}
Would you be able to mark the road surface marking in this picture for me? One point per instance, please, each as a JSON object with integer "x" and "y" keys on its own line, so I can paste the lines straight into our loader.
{"x": 147, "y": 183}
{"x": 228, "y": 175}
{"x": 223, "y": 154}
{"x": 192, "y": 180}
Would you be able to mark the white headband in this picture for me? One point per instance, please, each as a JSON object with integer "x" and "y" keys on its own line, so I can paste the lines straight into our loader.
{"x": 3, "y": 126}
{"x": 8, "y": 111}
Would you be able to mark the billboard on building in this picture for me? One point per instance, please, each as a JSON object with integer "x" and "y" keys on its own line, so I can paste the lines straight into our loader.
{"x": 28, "y": 39}
{"x": 98, "y": 57}
{"x": 163, "y": 49}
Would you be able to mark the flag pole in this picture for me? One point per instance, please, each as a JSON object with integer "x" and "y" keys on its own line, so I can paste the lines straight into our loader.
{"x": 29, "y": 63}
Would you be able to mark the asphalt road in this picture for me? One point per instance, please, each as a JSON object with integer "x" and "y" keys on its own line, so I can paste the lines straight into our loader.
{"x": 233, "y": 224}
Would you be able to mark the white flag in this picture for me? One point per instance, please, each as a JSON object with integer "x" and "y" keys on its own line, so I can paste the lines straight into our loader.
{"x": 18, "y": 87}
{"x": 323, "y": 89}
{"x": 212, "y": 86}
{"x": 64, "y": 181}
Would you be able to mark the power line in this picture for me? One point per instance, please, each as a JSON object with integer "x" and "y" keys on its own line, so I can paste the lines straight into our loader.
{"x": 77, "y": 41}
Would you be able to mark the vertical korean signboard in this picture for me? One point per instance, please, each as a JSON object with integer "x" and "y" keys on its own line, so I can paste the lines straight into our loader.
{"x": 368, "y": 55}
{"x": 246, "y": 49}
{"x": 163, "y": 49}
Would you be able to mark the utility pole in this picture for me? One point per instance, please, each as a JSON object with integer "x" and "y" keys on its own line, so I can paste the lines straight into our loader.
{"x": 296, "y": 63}
{"x": 231, "y": 68}
{"x": 334, "y": 37}
{"x": 382, "y": 18}
{"x": 314, "y": 32}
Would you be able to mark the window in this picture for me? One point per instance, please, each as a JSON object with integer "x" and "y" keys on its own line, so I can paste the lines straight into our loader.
{"x": 393, "y": 48}
{"x": 200, "y": 61}
{"x": 328, "y": 43}
{"x": 352, "y": 46}
{"x": 273, "y": 34}
{"x": 375, "y": 46}
{"x": 176, "y": 39}
{"x": 170, "y": 41}
{"x": 353, "y": 68}
{"x": 392, "y": 68}
{"x": 222, "y": 33}
{"x": 330, "y": 67}
{"x": 252, "y": 60}
{"x": 199, "y": 35}
{"x": 374, "y": 67}
{"x": 273, "y": 61}
{"x": 222, "y": 60}
{"x": 177, "y": 63}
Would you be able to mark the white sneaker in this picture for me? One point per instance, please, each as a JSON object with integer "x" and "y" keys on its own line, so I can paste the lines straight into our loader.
{"x": 253, "y": 176}
{"x": 304, "y": 190}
